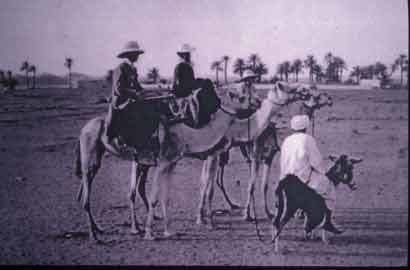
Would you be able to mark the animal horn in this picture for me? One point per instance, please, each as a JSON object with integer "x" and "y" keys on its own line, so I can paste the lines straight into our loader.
{"x": 332, "y": 157}
{"x": 356, "y": 160}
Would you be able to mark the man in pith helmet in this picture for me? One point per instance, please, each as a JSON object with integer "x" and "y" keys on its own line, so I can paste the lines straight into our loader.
{"x": 184, "y": 78}
{"x": 125, "y": 90}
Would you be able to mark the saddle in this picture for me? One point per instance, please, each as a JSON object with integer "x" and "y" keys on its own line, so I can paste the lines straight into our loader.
{"x": 196, "y": 109}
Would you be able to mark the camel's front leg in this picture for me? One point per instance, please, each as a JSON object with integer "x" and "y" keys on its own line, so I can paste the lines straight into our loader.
{"x": 159, "y": 175}
{"x": 251, "y": 188}
{"x": 220, "y": 179}
{"x": 135, "y": 174}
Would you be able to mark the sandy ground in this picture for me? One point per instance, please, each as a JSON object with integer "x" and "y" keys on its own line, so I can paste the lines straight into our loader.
{"x": 42, "y": 223}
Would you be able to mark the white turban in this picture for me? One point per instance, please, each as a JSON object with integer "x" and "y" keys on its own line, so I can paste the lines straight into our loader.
{"x": 299, "y": 122}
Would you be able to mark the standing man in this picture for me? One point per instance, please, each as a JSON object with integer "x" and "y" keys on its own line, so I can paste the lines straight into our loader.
{"x": 184, "y": 78}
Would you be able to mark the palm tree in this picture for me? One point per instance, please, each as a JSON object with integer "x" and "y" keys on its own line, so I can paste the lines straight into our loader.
{"x": 24, "y": 67}
{"x": 280, "y": 71}
{"x": 330, "y": 67}
{"x": 318, "y": 72}
{"x": 239, "y": 67}
{"x": 153, "y": 74}
{"x": 310, "y": 62}
{"x": 260, "y": 70}
{"x": 226, "y": 58}
{"x": 253, "y": 60}
{"x": 401, "y": 62}
{"x": 296, "y": 67}
{"x": 286, "y": 69}
{"x": 216, "y": 65}
{"x": 109, "y": 76}
{"x": 356, "y": 72}
{"x": 339, "y": 65}
{"x": 68, "y": 64}
{"x": 32, "y": 69}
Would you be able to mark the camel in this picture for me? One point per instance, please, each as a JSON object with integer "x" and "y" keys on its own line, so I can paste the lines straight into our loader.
{"x": 268, "y": 145}
{"x": 179, "y": 140}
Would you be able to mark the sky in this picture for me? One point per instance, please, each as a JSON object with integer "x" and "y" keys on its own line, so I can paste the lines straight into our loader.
{"x": 92, "y": 32}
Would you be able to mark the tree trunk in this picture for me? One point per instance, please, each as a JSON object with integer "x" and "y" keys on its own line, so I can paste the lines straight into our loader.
{"x": 27, "y": 79}
{"x": 401, "y": 75}
{"x": 226, "y": 79}
{"x": 34, "y": 79}
{"x": 69, "y": 78}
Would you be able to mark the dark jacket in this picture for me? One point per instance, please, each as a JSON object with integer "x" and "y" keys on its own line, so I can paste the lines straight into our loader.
{"x": 184, "y": 80}
{"x": 125, "y": 85}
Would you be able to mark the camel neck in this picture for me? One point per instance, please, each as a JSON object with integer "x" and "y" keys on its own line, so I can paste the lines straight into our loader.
{"x": 249, "y": 128}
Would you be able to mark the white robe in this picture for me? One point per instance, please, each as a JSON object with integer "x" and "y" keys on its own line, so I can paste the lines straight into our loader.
{"x": 299, "y": 154}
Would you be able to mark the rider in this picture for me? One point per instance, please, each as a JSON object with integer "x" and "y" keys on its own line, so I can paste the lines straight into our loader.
{"x": 247, "y": 89}
{"x": 184, "y": 78}
{"x": 125, "y": 88}
{"x": 300, "y": 156}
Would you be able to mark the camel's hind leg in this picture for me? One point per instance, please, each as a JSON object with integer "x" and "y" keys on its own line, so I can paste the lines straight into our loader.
{"x": 91, "y": 153}
{"x": 213, "y": 168}
{"x": 203, "y": 189}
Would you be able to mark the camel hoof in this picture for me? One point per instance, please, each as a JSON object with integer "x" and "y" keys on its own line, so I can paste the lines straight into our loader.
{"x": 136, "y": 231}
{"x": 168, "y": 234}
{"x": 157, "y": 218}
{"x": 247, "y": 218}
{"x": 236, "y": 207}
{"x": 148, "y": 236}
{"x": 200, "y": 221}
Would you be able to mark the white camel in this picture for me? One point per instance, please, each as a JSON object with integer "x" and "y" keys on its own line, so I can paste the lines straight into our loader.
{"x": 267, "y": 146}
{"x": 180, "y": 141}
{"x": 175, "y": 142}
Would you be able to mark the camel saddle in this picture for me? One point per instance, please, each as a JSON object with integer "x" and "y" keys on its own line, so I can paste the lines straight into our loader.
{"x": 196, "y": 109}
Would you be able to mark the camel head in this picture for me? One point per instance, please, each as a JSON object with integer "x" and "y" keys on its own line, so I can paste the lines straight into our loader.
{"x": 285, "y": 93}
{"x": 316, "y": 100}
{"x": 342, "y": 170}
{"x": 244, "y": 99}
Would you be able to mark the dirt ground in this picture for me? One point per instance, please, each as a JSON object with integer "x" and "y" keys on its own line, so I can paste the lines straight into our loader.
{"x": 42, "y": 223}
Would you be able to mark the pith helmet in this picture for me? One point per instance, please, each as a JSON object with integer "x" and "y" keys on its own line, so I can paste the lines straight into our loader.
{"x": 249, "y": 74}
{"x": 185, "y": 49}
{"x": 131, "y": 47}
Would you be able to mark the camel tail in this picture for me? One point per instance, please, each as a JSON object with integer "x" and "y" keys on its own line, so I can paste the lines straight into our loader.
{"x": 78, "y": 171}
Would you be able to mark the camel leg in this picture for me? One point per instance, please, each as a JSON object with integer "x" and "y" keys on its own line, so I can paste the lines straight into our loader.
{"x": 202, "y": 189}
{"x": 135, "y": 175}
{"x": 213, "y": 167}
{"x": 251, "y": 189}
{"x": 164, "y": 191}
{"x": 265, "y": 175}
{"x": 161, "y": 174}
{"x": 89, "y": 170}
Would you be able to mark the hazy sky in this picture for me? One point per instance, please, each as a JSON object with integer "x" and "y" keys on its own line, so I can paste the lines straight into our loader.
{"x": 92, "y": 32}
